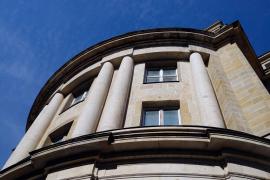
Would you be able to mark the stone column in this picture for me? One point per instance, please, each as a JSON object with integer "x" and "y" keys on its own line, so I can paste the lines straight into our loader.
{"x": 113, "y": 113}
{"x": 90, "y": 114}
{"x": 34, "y": 134}
{"x": 208, "y": 105}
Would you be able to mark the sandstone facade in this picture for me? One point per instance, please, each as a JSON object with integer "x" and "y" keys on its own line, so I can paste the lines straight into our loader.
{"x": 89, "y": 120}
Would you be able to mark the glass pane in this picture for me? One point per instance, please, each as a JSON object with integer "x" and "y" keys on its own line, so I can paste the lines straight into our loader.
{"x": 152, "y": 79}
{"x": 169, "y": 78}
{"x": 85, "y": 94}
{"x": 77, "y": 99}
{"x": 169, "y": 75}
{"x": 169, "y": 72}
{"x": 153, "y": 73}
{"x": 59, "y": 139}
{"x": 151, "y": 118}
{"x": 171, "y": 117}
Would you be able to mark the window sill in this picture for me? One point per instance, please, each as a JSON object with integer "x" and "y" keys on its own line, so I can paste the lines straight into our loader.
{"x": 66, "y": 109}
{"x": 161, "y": 82}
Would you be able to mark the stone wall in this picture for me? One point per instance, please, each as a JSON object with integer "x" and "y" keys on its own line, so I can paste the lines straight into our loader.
{"x": 244, "y": 100}
{"x": 181, "y": 91}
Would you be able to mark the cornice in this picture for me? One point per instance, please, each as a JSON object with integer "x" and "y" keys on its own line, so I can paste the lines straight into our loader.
{"x": 117, "y": 145}
{"x": 264, "y": 56}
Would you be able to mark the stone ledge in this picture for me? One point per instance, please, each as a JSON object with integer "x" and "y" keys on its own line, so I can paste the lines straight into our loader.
{"x": 186, "y": 141}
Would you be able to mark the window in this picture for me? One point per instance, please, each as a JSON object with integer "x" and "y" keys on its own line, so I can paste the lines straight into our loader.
{"x": 78, "y": 98}
{"x": 266, "y": 65}
{"x": 58, "y": 135}
{"x": 161, "y": 117}
{"x": 77, "y": 95}
{"x": 168, "y": 74}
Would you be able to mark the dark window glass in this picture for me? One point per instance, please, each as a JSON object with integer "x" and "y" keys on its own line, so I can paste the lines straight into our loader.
{"x": 156, "y": 117}
{"x": 170, "y": 117}
{"x": 169, "y": 75}
{"x": 58, "y": 135}
{"x": 78, "y": 98}
{"x": 161, "y": 75}
{"x": 153, "y": 75}
{"x": 151, "y": 118}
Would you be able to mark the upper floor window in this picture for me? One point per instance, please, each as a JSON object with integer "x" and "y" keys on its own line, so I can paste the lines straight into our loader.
{"x": 77, "y": 95}
{"x": 77, "y": 98}
{"x": 161, "y": 116}
{"x": 166, "y": 74}
{"x": 59, "y": 135}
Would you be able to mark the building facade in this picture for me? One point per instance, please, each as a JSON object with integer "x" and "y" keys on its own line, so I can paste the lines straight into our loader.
{"x": 154, "y": 104}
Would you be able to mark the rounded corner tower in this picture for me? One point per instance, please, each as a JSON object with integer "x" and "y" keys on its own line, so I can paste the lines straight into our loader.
{"x": 169, "y": 103}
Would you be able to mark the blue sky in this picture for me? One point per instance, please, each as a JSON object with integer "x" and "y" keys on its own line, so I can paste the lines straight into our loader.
{"x": 37, "y": 37}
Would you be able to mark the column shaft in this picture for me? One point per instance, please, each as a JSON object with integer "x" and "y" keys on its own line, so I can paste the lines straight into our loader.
{"x": 208, "y": 105}
{"x": 90, "y": 114}
{"x": 113, "y": 113}
{"x": 34, "y": 134}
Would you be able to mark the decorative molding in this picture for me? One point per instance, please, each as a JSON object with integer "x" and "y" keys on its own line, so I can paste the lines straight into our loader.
{"x": 184, "y": 142}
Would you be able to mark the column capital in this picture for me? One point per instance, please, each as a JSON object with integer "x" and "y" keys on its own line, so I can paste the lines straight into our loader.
{"x": 59, "y": 92}
{"x": 53, "y": 95}
{"x": 127, "y": 57}
{"x": 195, "y": 54}
{"x": 202, "y": 55}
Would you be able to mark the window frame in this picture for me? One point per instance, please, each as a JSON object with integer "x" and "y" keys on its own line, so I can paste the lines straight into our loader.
{"x": 83, "y": 97}
{"x": 84, "y": 88}
{"x": 61, "y": 133}
{"x": 161, "y": 74}
{"x": 161, "y": 115}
